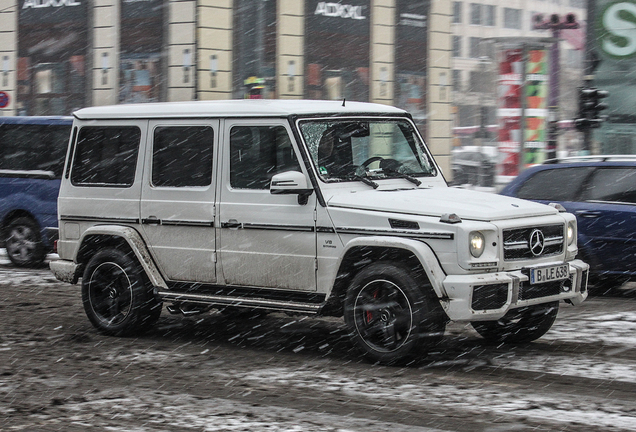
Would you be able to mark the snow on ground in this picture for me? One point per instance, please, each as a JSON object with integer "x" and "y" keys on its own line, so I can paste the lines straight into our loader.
{"x": 161, "y": 411}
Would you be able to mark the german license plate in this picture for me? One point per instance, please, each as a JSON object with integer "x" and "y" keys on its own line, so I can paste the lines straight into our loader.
{"x": 548, "y": 274}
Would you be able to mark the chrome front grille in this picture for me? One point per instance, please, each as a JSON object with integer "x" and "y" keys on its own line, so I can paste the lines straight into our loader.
{"x": 533, "y": 242}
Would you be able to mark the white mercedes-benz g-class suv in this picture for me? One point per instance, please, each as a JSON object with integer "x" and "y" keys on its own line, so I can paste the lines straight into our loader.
{"x": 313, "y": 207}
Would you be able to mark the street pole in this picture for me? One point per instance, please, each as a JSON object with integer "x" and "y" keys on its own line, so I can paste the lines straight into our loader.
{"x": 556, "y": 25}
{"x": 589, "y": 65}
{"x": 553, "y": 100}
{"x": 522, "y": 126}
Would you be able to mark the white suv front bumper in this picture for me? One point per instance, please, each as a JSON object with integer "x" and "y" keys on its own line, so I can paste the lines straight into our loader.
{"x": 488, "y": 296}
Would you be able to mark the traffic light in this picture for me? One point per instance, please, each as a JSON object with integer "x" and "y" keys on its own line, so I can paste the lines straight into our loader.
{"x": 590, "y": 107}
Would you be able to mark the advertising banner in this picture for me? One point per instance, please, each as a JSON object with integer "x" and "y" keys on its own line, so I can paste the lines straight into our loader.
{"x": 511, "y": 101}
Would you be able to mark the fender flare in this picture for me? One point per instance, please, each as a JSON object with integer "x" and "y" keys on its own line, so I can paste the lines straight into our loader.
{"x": 422, "y": 251}
{"x": 136, "y": 244}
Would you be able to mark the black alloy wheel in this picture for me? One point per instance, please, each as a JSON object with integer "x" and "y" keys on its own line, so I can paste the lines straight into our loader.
{"x": 117, "y": 296}
{"x": 388, "y": 314}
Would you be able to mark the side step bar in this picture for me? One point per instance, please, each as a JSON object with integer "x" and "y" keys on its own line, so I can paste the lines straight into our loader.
{"x": 246, "y": 302}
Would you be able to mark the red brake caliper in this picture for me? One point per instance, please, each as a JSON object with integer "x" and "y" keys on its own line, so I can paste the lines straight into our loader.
{"x": 369, "y": 314}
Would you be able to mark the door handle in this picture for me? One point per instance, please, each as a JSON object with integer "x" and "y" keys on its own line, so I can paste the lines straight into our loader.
{"x": 232, "y": 223}
{"x": 151, "y": 220}
{"x": 588, "y": 213}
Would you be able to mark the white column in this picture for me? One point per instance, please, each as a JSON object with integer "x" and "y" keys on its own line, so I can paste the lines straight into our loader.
{"x": 290, "y": 46}
{"x": 383, "y": 29}
{"x": 214, "y": 50}
{"x": 439, "y": 120}
{"x": 105, "y": 58}
{"x": 182, "y": 58}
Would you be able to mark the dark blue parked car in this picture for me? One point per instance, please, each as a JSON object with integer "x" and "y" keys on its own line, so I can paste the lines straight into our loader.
{"x": 32, "y": 152}
{"x": 601, "y": 192}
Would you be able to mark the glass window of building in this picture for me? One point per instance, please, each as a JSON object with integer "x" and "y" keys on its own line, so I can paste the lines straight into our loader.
{"x": 475, "y": 13}
{"x": 141, "y": 45}
{"x": 457, "y": 12}
{"x": 411, "y": 58}
{"x": 457, "y": 46}
{"x": 52, "y": 50}
{"x": 475, "y": 47}
{"x": 490, "y": 15}
{"x": 512, "y": 18}
{"x": 254, "y": 42}
{"x": 337, "y": 49}
{"x": 457, "y": 80}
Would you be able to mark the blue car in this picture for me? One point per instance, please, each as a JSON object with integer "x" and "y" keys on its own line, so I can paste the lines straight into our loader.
{"x": 601, "y": 192}
{"x": 32, "y": 152}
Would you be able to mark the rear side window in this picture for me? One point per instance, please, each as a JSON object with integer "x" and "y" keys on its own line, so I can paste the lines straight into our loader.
{"x": 182, "y": 156}
{"x": 29, "y": 147}
{"x": 257, "y": 153}
{"x": 559, "y": 184}
{"x": 106, "y": 156}
{"x": 612, "y": 185}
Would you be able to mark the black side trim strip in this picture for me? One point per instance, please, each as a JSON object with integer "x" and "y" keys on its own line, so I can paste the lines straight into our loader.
{"x": 68, "y": 218}
{"x": 279, "y": 227}
{"x": 396, "y": 233}
{"x": 325, "y": 229}
{"x": 187, "y": 223}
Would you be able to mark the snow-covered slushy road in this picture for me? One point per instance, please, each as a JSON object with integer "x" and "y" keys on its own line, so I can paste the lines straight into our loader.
{"x": 289, "y": 373}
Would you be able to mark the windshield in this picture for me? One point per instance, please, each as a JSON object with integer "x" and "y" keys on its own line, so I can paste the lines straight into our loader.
{"x": 368, "y": 148}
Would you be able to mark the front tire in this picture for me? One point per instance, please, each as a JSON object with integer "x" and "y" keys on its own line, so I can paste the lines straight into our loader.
{"x": 390, "y": 316}
{"x": 117, "y": 296}
{"x": 519, "y": 325}
{"x": 23, "y": 242}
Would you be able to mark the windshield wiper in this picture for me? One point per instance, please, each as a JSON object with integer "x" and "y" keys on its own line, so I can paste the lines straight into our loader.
{"x": 365, "y": 180}
{"x": 393, "y": 173}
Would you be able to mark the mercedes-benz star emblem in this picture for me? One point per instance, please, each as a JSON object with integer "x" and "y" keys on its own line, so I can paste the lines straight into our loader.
{"x": 536, "y": 242}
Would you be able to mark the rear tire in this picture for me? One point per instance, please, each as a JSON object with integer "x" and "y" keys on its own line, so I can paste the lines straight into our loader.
{"x": 117, "y": 296}
{"x": 519, "y": 325}
{"x": 391, "y": 317}
{"x": 23, "y": 242}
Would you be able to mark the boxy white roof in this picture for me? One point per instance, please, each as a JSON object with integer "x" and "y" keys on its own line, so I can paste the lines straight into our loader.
{"x": 233, "y": 108}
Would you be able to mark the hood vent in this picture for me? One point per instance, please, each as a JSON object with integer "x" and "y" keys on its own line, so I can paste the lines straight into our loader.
{"x": 401, "y": 224}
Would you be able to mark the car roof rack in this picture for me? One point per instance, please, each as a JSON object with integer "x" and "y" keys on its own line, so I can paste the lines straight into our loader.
{"x": 595, "y": 158}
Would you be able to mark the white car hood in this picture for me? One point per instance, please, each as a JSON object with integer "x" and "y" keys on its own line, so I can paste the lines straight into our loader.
{"x": 436, "y": 201}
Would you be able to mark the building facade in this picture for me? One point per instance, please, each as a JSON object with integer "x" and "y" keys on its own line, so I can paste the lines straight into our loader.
{"x": 61, "y": 55}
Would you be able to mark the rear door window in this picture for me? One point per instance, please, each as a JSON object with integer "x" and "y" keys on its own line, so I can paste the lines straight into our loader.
{"x": 182, "y": 156}
{"x": 106, "y": 156}
{"x": 29, "y": 147}
{"x": 559, "y": 184}
{"x": 610, "y": 184}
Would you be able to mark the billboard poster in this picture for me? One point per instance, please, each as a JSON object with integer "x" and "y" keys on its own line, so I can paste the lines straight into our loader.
{"x": 512, "y": 97}
{"x": 536, "y": 106}
{"x": 509, "y": 110}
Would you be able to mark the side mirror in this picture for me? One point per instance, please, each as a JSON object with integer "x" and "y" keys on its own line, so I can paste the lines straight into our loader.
{"x": 291, "y": 182}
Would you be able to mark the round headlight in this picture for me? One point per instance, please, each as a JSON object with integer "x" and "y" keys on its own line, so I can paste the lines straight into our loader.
{"x": 571, "y": 233}
{"x": 476, "y": 243}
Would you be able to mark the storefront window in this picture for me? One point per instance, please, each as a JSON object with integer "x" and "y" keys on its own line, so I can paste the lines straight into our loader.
{"x": 410, "y": 57}
{"x": 141, "y": 47}
{"x": 337, "y": 50}
{"x": 51, "y": 50}
{"x": 255, "y": 49}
